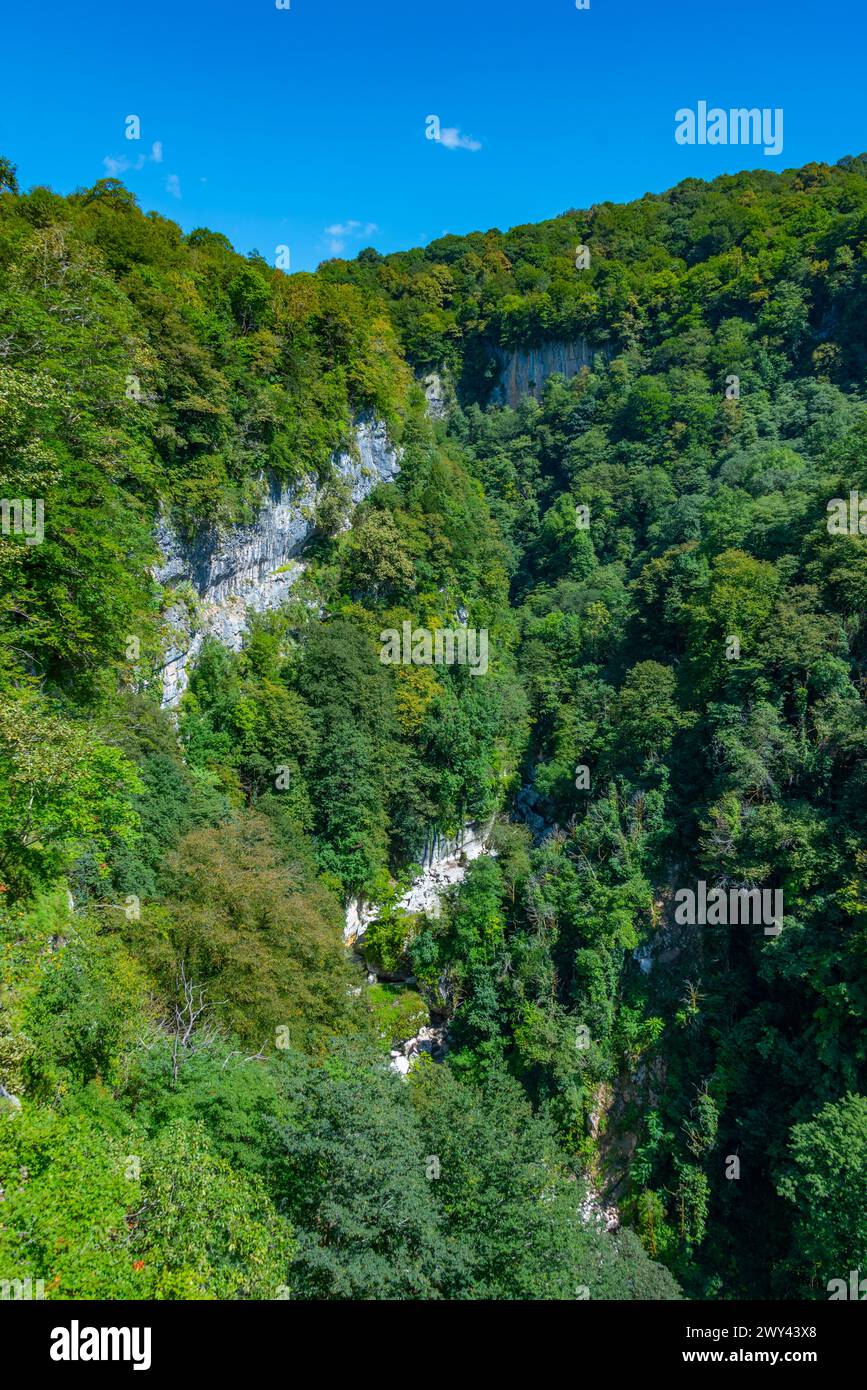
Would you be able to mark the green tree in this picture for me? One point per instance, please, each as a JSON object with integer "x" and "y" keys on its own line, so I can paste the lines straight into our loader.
{"x": 827, "y": 1182}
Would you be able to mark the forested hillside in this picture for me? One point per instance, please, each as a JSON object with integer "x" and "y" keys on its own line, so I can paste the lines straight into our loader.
{"x": 197, "y": 1100}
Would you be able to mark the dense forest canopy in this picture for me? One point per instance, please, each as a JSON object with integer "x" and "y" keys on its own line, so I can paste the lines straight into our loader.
{"x": 196, "y": 1094}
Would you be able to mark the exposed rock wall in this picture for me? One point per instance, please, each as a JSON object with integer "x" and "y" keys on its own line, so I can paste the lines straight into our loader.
{"x": 525, "y": 370}
{"x": 252, "y": 568}
{"x": 439, "y": 395}
{"x": 444, "y": 862}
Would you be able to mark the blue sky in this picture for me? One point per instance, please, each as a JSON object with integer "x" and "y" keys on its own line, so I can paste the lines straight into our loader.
{"x": 306, "y": 127}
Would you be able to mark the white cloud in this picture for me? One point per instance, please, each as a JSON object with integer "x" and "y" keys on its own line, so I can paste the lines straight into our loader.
{"x": 451, "y": 137}
{"x": 173, "y": 185}
{"x": 351, "y": 228}
{"x": 339, "y": 232}
{"x": 115, "y": 165}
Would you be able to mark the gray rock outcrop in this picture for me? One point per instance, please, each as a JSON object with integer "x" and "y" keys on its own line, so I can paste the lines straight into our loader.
{"x": 524, "y": 371}
{"x": 251, "y": 569}
{"x": 439, "y": 394}
{"x": 443, "y": 863}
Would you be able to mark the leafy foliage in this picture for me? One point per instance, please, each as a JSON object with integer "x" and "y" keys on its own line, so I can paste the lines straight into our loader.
{"x": 675, "y": 694}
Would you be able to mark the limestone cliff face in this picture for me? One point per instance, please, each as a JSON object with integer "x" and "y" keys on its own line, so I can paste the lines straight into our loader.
{"x": 439, "y": 395}
{"x": 250, "y": 569}
{"x": 525, "y": 370}
{"x": 443, "y": 863}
